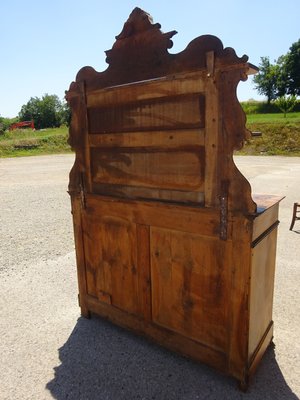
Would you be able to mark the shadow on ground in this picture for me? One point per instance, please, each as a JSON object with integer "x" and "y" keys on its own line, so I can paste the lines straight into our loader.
{"x": 102, "y": 361}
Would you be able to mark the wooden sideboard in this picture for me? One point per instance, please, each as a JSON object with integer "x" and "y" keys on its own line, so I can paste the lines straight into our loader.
{"x": 170, "y": 243}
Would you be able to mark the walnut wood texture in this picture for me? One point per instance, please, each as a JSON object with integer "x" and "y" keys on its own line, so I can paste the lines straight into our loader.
{"x": 169, "y": 241}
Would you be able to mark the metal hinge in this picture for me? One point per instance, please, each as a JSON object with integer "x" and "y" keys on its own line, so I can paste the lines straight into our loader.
{"x": 224, "y": 210}
{"x": 223, "y": 218}
{"x": 82, "y": 191}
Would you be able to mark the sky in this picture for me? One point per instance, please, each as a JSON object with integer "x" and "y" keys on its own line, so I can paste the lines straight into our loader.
{"x": 45, "y": 43}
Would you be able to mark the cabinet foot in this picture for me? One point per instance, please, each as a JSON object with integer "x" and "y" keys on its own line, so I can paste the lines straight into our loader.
{"x": 272, "y": 345}
{"x": 85, "y": 313}
{"x": 243, "y": 385}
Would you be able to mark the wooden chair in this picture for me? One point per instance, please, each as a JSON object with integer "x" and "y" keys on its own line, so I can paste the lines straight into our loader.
{"x": 296, "y": 210}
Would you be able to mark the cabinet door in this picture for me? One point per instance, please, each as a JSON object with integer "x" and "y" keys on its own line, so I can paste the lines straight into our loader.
{"x": 262, "y": 289}
{"x": 190, "y": 285}
{"x": 110, "y": 247}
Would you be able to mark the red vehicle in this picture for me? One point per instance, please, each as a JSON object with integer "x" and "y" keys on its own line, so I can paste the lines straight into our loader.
{"x": 17, "y": 125}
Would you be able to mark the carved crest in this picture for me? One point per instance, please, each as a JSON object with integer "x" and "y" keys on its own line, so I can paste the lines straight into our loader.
{"x": 140, "y": 52}
{"x": 138, "y": 21}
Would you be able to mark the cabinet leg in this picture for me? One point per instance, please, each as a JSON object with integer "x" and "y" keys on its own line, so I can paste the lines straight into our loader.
{"x": 272, "y": 345}
{"x": 85, "y": 313}
{"x": 84, "y": 310}
{"x": 244, "y": 384}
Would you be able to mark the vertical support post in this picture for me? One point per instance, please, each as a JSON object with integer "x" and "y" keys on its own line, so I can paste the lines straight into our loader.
{"x": 85, "y": 133}
{"x": 212, "y": 126}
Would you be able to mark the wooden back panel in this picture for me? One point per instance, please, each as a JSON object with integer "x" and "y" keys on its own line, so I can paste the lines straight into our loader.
{"x": 151, "y": 148}
{"x": 161, "y": 127}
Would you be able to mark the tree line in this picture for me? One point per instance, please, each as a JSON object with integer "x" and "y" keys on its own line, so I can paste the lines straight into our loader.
{"x": 281, "y": 79}
{"x": 46, "y": 112}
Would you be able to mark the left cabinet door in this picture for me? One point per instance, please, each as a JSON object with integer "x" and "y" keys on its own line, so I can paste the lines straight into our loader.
{"x": 110, "y": 250}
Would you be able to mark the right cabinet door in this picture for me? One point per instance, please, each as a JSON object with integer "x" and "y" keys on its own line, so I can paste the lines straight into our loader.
{"x": 190, "y": 281}
{"x": 261, "y": 289}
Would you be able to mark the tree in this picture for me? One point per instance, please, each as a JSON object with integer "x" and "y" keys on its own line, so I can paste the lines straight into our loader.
{"x": 5, "y": 123}
{"x": 267, "y": 79}
{"x": 47, "y": 112}
{"x": 282, "y": 78}
{"x": 66, "y": 114}
{"x": 292, "y": 69}
{"x": 286, "y": 103}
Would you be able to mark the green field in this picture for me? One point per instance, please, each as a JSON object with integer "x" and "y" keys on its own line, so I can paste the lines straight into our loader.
{"x": 25, "y": 142}
{"x": 274, "y": 118}
{"x": 280, "y": 136}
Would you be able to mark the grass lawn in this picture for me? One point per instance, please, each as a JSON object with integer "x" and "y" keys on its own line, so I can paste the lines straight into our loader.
{"x": 25, "y": 142}
{"x": 280, "y": 135}
{"x": 273, "y": 118}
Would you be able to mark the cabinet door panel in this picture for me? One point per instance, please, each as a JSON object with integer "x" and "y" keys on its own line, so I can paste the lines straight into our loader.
{"x": 110, "y": 246}
{"x": 190, "y": 285}
{"x": 262, "y": 288}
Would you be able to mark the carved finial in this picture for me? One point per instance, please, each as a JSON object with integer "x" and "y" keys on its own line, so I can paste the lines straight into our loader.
{"x": 138, "y": 21}
{"x": 141, "y": 45}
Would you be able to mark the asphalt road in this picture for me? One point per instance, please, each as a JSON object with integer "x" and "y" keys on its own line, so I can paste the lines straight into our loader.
{"x": 49, "y": 352}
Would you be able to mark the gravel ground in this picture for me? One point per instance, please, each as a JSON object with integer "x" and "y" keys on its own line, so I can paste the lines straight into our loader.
{"x": 48, "y": 351}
